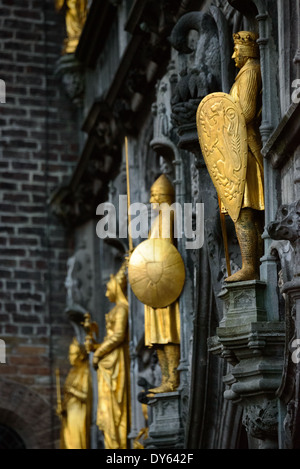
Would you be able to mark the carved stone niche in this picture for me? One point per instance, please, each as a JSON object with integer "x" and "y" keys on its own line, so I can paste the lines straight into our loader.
{"x": 203, "y": 42}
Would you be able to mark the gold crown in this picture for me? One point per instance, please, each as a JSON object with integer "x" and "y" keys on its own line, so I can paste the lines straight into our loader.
{"x": 163, "y": 186}
{"x": 247, "y": 39}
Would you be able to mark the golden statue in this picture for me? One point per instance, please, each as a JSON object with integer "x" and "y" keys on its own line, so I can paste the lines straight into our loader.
{"x": 75, "y": 408}
{"x": 76, "y": 13}
{"x": 228, "y": 129}
{"x": 156, "y": 274}
{"x": 111, "y": 359}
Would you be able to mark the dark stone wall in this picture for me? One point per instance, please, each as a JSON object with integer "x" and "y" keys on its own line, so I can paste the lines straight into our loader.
{"x": 38, "y": 149}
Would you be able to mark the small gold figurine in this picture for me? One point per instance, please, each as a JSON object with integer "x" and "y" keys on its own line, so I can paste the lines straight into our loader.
{"x": 76, "y": 12}
{"x": 111, "y": 359}
{"x": 74, "y": 409}
{"x": 157, "y": 282}
{"x": 228, "y": 130}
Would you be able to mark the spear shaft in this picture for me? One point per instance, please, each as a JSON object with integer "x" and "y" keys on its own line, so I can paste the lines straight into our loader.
{"x": 128, "y": 196}
{"x": 225, "y": 239}
{"x": 58, "y": 388}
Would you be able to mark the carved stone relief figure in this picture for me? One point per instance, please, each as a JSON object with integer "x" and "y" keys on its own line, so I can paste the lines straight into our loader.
{"x": 79, "y": 278}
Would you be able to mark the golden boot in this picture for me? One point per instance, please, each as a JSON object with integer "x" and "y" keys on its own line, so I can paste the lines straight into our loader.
{"x": 259, "y": 225}
{"x": 247, "y": 235}
{"x": 173, "y": 357}
{"x": 168, "y": 358}
{"x": 163, "y": 363}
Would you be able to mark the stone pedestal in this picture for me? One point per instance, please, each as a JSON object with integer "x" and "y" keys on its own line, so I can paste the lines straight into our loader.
{"x": 243, "y": 303}
{"x": 254, "y": 349}
{"x": 166, "y": 430}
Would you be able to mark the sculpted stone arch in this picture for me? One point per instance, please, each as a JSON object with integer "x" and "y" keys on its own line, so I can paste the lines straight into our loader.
{"x": 18, "y": 401}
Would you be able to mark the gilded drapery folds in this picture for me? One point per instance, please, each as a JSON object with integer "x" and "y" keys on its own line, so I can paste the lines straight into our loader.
{"x": 75, "y": 17}
{"x": 111, "y": 360}
{"x": 75, "y": 408}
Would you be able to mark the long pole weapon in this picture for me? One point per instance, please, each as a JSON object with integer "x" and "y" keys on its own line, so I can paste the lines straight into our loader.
{"x": 128, "y": 198}
{"x": 225, "y": 239}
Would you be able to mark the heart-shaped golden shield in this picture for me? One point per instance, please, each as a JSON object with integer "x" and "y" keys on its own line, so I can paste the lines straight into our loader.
{"x": 156, "y": 273}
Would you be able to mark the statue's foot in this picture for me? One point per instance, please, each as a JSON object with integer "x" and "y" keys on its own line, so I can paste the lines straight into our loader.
{"x": 168, "y": 387}
{"x": 246, "y": 273}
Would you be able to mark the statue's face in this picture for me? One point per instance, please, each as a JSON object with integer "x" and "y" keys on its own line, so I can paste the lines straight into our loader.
{"x": 110, "y": 292}
{"x": 157, "y": 198}
{"x": 239, "y": 56}
{"x": 74, "y": 355}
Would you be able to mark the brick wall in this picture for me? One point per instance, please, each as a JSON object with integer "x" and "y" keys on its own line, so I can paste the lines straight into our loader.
{"x": 37, "y": 153}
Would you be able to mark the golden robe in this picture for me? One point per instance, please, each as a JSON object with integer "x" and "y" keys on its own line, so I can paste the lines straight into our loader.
{"x": 162, "y": 325}
{"x": 76, "y": 419}
{"x": 76, "y": 13}
{"x": 113, "y": 380}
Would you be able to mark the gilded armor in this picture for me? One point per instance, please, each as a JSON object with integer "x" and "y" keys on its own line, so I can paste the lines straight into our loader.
{"x": 239, "y": 124}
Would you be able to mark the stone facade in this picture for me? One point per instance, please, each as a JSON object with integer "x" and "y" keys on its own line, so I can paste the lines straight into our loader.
{"x": 140, "y": 71}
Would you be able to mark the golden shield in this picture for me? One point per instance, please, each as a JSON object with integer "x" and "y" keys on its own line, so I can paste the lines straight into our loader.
{"x": 222, "y": 136}
{"x": 156, "y": 273}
